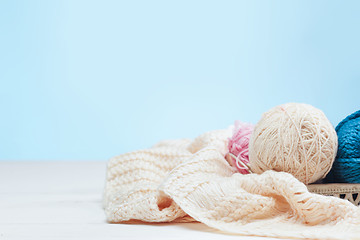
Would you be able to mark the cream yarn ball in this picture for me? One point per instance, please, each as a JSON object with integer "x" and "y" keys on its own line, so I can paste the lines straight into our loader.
{"x": 295, "y": 138}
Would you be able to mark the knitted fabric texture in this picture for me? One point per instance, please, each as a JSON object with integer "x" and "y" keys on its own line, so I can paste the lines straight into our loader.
{"x": 346, "y": 167}
{"x": 190, "y": 180}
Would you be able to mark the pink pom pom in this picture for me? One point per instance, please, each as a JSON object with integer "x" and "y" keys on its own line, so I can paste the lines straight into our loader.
{"x": 239, "y": 146}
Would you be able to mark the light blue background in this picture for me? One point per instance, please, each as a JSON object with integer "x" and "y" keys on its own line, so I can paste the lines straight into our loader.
{"x": 87, "y": 80}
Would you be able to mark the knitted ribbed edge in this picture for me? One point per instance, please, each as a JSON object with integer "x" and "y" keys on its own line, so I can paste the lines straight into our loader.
{"x": 344, "y": 169}
{"x": 348, "y": 118}
{"x": 186, "y": 180}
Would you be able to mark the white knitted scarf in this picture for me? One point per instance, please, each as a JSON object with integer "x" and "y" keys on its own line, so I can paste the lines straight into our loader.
{"x": 190, "y": 180}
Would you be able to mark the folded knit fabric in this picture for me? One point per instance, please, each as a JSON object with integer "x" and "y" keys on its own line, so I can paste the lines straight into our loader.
{"x": 190, "y": 180}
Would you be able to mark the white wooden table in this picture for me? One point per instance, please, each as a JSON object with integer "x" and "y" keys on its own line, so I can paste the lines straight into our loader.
{"x": 62, "y": 200}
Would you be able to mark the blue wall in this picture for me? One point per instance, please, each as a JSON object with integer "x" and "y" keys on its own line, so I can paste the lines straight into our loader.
{"x": 92, "y": 79}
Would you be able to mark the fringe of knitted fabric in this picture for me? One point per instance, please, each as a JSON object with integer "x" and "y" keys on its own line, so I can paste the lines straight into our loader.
{"x": 184, "y": 180}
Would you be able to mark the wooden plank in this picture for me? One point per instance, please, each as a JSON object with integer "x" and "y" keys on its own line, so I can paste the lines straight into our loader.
{"x": 26, "y": 208}
{"x": 63, "y": 200}
{"x": 52, "y": 177}
{"x": 116, "y": 231}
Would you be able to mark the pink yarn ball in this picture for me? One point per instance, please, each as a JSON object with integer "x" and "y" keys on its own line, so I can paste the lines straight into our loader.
{"x": 239, "y": 145}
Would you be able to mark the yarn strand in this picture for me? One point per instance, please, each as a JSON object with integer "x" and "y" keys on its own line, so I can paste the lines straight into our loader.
{"x": 294, "y": 138}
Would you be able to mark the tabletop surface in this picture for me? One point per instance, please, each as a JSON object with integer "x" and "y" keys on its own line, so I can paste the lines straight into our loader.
{"x": 63, "y": 200}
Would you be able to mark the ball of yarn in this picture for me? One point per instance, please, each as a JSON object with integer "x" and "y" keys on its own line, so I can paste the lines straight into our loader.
{"x": 346, "y": 167}
{"x": 239, "y": 145}
{"x": 295, "y": 138}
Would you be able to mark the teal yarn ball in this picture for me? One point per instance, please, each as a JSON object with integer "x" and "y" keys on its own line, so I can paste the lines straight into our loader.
{"x": 346, "y": 167}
